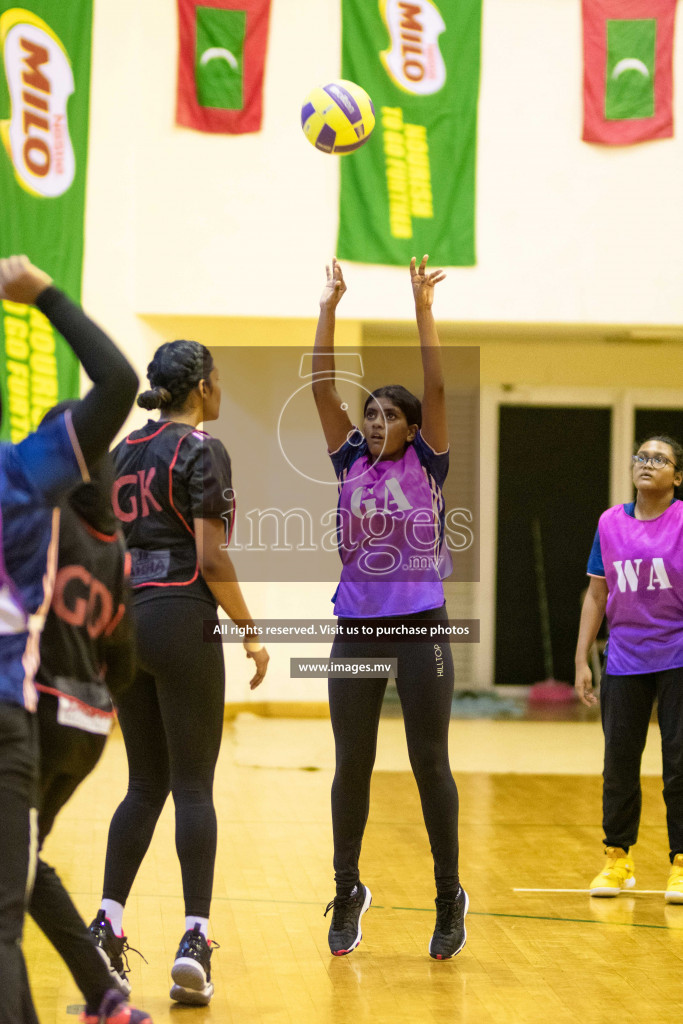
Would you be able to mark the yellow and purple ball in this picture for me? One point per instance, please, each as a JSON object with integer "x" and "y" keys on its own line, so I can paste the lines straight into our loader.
{"x": 337, "y": 117}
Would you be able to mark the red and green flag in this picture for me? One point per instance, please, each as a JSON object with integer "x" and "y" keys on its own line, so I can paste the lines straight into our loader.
{"x": 628, "y": 76}
{"x": 44, "y": 108}
{"x": 410, "y": 188}
{"x": 221, "y": 64}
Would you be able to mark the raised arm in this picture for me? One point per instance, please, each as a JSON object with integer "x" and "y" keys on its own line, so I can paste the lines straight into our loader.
{"x": 434, "y": 423}
{"x": 335, "y": 420}
{"x": 99, "y": 415}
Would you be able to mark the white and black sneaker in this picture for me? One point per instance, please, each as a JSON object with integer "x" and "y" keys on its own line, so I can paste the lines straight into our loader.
{"x": 345, "y": 932}
{"x": 449, "y": 934}
{"x": 112, "y": 948}
{"x": 191, "y": 971}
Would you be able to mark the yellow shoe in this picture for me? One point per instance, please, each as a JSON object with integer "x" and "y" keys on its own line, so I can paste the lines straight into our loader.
{"x": 617, "y": 874}
{"x": 674, "y": 887}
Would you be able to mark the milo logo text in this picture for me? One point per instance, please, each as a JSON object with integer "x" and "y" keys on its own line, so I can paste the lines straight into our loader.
{"x": 414, "y": 61}
{"x": 40, "y": 81}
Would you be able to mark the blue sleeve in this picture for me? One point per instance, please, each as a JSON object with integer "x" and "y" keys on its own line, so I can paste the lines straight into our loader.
{"x": 595, "y": 566}
{"x": 49, "y": 460}
{"x": 352, "y": 449}
{"x": 436, "y": 463}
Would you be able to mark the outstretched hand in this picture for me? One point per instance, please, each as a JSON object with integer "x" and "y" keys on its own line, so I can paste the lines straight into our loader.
{"x": 334, "y": 286}
{"x": 423, "y": 283}
{"x": 21, "y": 281}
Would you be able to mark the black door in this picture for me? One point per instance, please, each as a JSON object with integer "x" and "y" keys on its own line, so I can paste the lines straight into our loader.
{"x": 554, "y": 470}
{"x": 659, "y": 421}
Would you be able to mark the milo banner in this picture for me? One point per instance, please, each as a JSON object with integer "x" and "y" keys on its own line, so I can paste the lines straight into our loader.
{"x": 410, "y": 189}
{"x": 44, "y": 101}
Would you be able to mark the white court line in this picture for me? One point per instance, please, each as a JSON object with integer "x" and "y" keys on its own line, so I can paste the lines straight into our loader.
{"x": 628, "y": 892}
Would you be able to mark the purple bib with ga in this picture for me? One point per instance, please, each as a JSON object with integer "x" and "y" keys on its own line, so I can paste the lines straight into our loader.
{"x": 391, "y": 531}
{"x": 643, "y": 562}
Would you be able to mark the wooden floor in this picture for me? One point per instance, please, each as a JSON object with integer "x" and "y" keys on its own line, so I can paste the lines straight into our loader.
{"x": 539, "y": 949}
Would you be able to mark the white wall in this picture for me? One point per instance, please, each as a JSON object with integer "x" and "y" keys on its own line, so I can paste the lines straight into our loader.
{"x": 242, "y": 225}
{"x": 184, "y": 224}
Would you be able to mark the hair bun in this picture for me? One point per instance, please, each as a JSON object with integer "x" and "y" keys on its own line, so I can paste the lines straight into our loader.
{"x": 154, "y": 398}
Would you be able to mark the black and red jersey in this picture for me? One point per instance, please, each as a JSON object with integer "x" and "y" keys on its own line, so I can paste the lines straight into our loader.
{"x": 168, "y": 474}
{"x": 87, "y": 619}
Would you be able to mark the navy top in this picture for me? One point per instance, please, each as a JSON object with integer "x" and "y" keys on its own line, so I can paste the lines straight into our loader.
{"x": 34, "y": 474}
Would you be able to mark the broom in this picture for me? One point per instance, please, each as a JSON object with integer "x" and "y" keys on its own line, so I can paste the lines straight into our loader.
{"x": 550, "y": 689}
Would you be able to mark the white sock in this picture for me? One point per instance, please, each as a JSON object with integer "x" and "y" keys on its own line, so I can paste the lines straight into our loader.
{"x": 114, "y": 912}
{"x": 203, "y": 923}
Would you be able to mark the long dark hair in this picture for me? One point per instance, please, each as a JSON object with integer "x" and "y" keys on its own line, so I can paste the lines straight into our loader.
{"x": 405, "y": 400}
{"x": 175, "y": 371}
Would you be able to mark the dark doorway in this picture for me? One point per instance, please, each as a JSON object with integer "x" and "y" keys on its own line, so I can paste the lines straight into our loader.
{"x": 554, "y": 467}
{"x": 659, "y": 421}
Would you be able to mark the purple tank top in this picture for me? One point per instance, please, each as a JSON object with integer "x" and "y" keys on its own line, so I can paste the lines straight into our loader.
{"x": 391, "y": 531}
{"x": 643, "y": 562}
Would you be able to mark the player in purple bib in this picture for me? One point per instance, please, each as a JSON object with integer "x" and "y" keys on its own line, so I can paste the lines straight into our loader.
{"x": 636, "y": 579}
{"x": 391, "y": 515}
{"x": 394, "y": 556}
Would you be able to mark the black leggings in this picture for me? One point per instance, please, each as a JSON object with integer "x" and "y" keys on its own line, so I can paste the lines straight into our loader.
{"x": 626, "y": 705}
{"x": 67, "y": 756}
{"x": 172, "y": 723}
{"x": 425, "y": 688}
{"x": 18, "y": 770}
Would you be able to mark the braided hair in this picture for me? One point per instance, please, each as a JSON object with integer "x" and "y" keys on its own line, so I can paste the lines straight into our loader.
{"x": 176, "y": 369}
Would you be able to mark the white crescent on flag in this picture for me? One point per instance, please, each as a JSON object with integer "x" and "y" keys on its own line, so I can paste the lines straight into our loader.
{"x": 630, "y": 64}
{"x": 218, "y": 52}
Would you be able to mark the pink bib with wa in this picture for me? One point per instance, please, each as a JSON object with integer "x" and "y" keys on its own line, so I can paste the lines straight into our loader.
{"x": 643, "y": 562}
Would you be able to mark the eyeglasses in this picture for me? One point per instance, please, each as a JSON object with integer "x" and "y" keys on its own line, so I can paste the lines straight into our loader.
{"x": 658, "y": 461}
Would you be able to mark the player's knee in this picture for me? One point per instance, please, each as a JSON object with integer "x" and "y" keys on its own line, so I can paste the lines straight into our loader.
{"x": 431, "y": 767}
{"x": 151, "y": 793}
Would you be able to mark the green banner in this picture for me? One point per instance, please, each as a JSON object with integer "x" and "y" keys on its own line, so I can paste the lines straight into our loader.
{"x": 630, "y": 72}
{"x": 410, "y": 188}
{"x": 44, "y": 104}
{"x": 219, "y": 60}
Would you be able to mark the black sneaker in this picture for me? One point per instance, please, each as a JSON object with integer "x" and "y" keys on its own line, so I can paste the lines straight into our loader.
{"x": 449, "y": 934}
{"x": 345, "y": 933}
{"x": 191, "y": 971}
{"x": 113, "y": 951}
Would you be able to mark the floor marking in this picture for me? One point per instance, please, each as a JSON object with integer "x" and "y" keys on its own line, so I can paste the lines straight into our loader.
{"x": 470, "y": 912}
{"x": 545, "y": 917}
{"x": 629, "y": 892}
{"x": 571, "y": 920}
